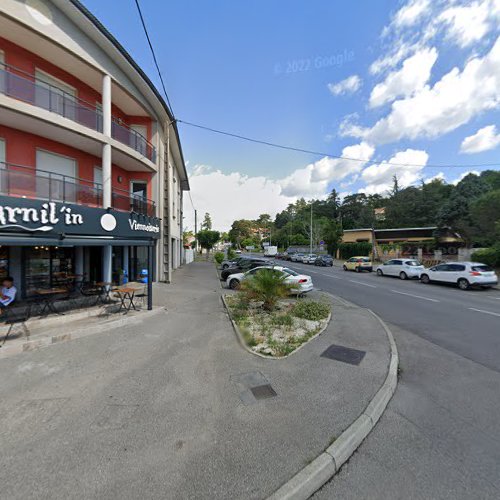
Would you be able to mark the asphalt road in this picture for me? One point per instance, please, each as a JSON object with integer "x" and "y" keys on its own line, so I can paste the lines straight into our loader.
{"x": 440, "y": 437}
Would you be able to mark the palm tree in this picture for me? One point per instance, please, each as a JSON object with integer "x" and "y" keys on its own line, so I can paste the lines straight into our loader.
{"x": 266, "y": 286}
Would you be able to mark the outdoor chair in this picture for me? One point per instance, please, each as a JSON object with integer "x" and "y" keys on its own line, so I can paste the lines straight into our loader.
{"x": 143, "y": 295}
{"x": 16, "y": 315}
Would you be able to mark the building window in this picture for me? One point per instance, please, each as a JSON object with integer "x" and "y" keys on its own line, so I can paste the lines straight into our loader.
{"x": 55, "y": 95}
{"x": 55, "y": 177}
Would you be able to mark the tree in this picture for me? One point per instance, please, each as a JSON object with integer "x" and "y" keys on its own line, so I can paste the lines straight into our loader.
{"x": 240, "y": 230}
{"x": 332, "y": 236}
{"x": 455, "y": 213}
{"x": 485, "y": 217}
{"x": 207, "y": 239}
{"x": 207, "y": 222}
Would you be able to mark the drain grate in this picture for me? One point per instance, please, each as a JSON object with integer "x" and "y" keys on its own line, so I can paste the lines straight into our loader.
{"x": 344, "y": 354}
{"x": 263, "y": 392}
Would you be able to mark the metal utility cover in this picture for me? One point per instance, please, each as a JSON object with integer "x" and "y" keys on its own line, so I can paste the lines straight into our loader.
{"x": 344, "y": 354}
{"x": 263, "y": 392}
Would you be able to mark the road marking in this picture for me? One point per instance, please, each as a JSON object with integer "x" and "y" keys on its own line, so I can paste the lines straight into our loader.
{"x": 485, "y": 312}
{"x": 416, "y": 296}
{"x": 495, "y": 298}
{"x": 361, "y": 283}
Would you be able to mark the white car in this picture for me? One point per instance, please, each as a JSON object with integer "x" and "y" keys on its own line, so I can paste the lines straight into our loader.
{"x": 304, "y": 283}
{"x": 297, "y": 257}
{"x": 463, "y": 274}
{"x": 404, "y": 268}
{"x": 309, "y": 258}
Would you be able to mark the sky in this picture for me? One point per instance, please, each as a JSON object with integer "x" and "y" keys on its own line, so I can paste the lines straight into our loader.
{"x": 413, "y": 82}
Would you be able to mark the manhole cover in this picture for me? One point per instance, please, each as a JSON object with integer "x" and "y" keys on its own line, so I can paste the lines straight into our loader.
{"x": 344, "y": 354}
{"x": 263, "y": 392}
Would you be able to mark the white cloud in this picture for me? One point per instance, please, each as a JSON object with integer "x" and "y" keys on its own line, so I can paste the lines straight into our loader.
{"x": 484, "y": 139}
{"x": 379, "y": 177}
{"x": 301, "y": 183}
{"x": 433, "y": 111}
{"x": 347, "y": 86}
{"x": 438, "y": 177}
{"x": 336, "y": 168}
{"x": 467, "y": 24}
{"x": 232, "y": 196}
{"x": 410, "y": 13}
{"x": 413, "y": 75}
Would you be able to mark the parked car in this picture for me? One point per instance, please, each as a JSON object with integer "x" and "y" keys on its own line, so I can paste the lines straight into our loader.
{"x": 404, "y": 268}
{"x": 302, "y": 282}
{"x": 324, "y": 260}
{"x": 230, "y": 263}
{"x": 238, "y": 251}
{"x": 243, "y": 266}
{"x": 358, "y": 264}
{"x": 309, "y": 258}
{"x": 297, "y": 257}
{"x": 463, "y": 274}
{"x": 288, "y": 256}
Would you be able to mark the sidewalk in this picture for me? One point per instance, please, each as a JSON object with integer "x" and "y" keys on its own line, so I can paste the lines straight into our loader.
{"x": 165, "y": 409}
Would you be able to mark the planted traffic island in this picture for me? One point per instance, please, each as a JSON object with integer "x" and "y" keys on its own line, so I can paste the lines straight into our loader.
{"x": 268, "y": 321}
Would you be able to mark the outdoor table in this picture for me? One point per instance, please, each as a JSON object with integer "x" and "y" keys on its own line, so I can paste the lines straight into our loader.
{"x": 48, "y": 297}
{"x": 126, "y": 294}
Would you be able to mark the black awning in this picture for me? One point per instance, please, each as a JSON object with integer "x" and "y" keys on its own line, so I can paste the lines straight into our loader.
{"x": 30, "y": 241}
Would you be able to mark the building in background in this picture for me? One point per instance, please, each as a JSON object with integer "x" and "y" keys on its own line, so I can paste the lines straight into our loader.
{"x": 91, "y": 167}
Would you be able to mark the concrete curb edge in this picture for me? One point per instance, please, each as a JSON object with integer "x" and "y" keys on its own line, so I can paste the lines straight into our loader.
{"x": 271, "y": 358}
{"x": 327, "y": 464}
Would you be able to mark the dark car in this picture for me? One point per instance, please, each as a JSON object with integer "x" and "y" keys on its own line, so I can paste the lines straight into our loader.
{"x": 242, "y": 267}
{"x": 324, "y": 260}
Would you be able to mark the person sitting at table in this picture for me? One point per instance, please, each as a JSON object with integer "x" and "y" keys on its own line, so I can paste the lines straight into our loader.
{"x": 8, "y": 293}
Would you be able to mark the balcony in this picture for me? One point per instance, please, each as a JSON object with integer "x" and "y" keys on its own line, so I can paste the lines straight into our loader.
{"x": 22, "y": 86}
{"x": 26, "y": 182}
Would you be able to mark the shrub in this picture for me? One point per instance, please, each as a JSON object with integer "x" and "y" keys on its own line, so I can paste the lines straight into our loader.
{"x": 488, "y": 256}
{"x": 266, "y": 286}
{"x": 219, "y": 257}
{"x": 311, "y": 310}
{"x": 348, "y": 250}
{"x": 231, "y": 254}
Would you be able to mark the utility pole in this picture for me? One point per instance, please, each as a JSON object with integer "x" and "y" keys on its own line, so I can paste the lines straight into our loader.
{"x": 311, "y": 231}
{"x": 196, "y": 230}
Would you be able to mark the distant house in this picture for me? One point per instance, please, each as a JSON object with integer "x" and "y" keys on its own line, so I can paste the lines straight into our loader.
{"x": 407, "y": 240}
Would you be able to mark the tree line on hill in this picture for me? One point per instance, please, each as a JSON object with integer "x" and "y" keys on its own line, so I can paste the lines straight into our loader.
{"x": 470, "y": 207}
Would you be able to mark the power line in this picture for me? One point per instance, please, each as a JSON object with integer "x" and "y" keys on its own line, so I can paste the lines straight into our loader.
{"x": 319, "y": 153}
{"x": 154, "y": 55}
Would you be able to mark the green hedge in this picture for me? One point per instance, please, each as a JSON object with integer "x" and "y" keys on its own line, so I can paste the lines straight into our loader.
{"x": 219, "y": 257}
{"x": 488, "y": 256}
{"x": 348, "y": 250}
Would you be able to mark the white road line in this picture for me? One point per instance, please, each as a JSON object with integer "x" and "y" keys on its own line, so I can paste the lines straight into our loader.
{"x": 484, "y": 312}
{"x": 495, "y": 298}
{"x": 416, "y": 296}
{"x": 361, "y": 283}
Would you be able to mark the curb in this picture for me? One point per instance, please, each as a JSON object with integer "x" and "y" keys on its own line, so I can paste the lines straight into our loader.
{"x": 237, "y": 330}
{"x": 48, "y": 340}
{"x": 327, "y": 464}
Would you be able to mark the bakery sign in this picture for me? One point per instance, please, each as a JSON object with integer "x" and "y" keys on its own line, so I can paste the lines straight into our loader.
{"x": 43, "y": 218}
{"x": 23, "y": 215}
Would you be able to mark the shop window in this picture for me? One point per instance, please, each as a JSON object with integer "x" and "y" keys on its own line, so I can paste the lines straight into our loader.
{"x": 44, "y": 267}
